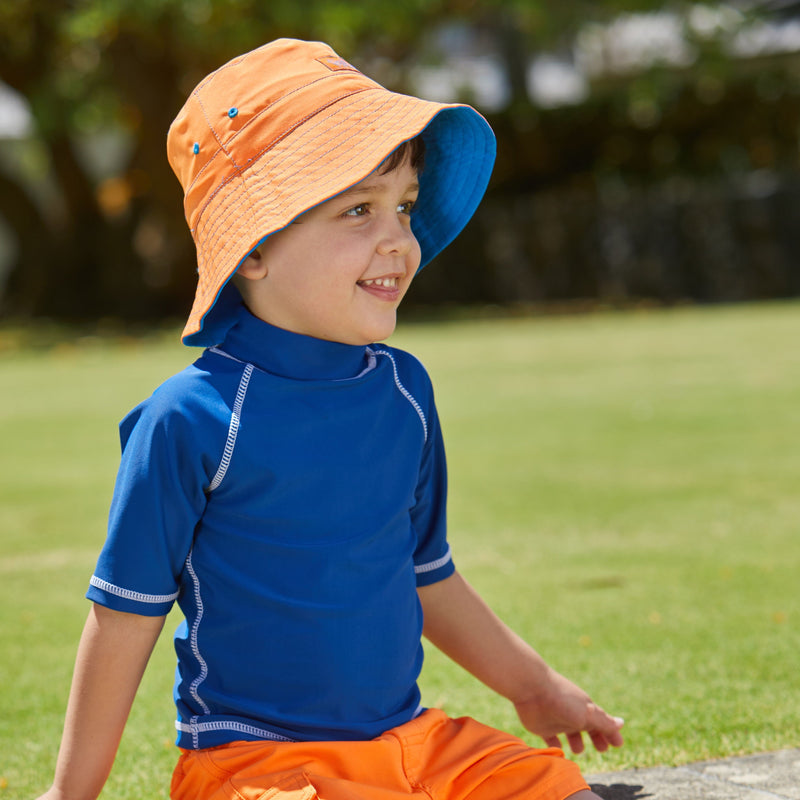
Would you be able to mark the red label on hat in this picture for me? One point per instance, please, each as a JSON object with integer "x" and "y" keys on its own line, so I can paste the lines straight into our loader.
{"x": 336, "y": 63}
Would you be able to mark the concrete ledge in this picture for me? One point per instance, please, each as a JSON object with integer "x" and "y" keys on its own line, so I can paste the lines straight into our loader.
{"x": 768, "y": 776}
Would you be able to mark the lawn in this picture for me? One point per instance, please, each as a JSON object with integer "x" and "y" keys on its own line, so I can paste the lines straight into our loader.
{"x": 624, "y": 491}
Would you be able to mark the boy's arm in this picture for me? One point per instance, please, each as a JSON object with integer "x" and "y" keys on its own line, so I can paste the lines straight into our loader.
{"x": 112, "y": 655}
{"x": 460, "y": 624}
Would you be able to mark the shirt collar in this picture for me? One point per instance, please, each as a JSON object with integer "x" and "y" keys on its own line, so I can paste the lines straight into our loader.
{"x": 292, "y": 355}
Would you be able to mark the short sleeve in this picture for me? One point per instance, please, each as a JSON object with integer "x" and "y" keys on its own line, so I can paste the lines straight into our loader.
{"x": 433, "y": 560}
{"x": 159, "y": 497}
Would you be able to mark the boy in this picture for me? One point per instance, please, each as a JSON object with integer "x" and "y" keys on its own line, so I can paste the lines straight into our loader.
{"x": 288, "y": 489}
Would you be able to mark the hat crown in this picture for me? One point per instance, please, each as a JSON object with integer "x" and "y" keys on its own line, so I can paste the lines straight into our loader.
{"x": 241, "y": 109}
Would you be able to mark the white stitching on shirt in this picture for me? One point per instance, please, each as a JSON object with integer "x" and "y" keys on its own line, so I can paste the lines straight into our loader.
{"x": 233, "y": 429}
{"x": 195, "y": 686}
{"x": 219, "y": 352}
{"x": 223, "y": 725}
{"x": 419, "y": 569}
{"x": 405, "y": 391}
{"x": 139, "y": 597}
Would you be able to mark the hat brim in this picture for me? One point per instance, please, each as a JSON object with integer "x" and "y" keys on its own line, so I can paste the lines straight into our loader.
{"x": 330, "y": 152}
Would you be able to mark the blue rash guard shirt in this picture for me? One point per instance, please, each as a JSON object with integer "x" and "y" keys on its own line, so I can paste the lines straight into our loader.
{"x": 289, "y": 493}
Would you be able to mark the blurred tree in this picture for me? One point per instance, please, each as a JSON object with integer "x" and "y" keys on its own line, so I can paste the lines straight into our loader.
{"x": 94, "y": 244}
{"x": 99, "y": 227}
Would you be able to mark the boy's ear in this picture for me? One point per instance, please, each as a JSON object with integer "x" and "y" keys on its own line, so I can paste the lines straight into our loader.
{"x": 254, "y": 267}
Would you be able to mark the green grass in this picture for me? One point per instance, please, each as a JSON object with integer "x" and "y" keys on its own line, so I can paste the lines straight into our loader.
{"x": 623, "y": 492}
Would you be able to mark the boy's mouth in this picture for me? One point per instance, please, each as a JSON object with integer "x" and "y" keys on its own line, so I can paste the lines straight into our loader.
{"x": 386, "y": 283}
{"x": 386, "y": 288}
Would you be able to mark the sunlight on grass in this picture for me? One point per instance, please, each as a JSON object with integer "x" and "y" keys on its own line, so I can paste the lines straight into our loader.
{"x": 623, "y": 491}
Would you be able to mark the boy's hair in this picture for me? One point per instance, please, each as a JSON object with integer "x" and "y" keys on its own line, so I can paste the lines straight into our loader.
{"x": 413, "y": 150}
{"x": 285, "y": 127}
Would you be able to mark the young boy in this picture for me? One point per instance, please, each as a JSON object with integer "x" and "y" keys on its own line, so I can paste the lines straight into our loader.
{"x": 288, "y": 489}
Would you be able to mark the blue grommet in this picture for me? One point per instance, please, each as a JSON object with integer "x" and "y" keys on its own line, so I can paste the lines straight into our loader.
{"x": 232, "y": 112}
{"x": 196, "y": 148}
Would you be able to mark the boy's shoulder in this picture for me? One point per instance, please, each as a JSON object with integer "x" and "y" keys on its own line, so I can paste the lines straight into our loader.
{"x": 209, "y": 377}
{"x": 403, "y": 358}
{"x": 406, "y": 365}
{"x": 200, "y": 393}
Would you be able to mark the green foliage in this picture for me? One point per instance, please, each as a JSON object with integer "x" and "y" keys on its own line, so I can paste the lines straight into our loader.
{"x": 623, "y": 492}
{"x": 111, "y": 74}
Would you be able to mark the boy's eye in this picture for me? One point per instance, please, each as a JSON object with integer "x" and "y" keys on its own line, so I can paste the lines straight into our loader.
{"x": 407, "y": 207}
{"x": 357, "y": 211}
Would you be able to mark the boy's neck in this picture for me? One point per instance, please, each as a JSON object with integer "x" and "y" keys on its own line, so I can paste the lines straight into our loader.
{"x": 292, "y": 355}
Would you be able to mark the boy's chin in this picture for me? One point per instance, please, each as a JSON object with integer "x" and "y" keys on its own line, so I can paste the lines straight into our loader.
{"x": 382, "y": 332}
{"x": 373, "y": 331}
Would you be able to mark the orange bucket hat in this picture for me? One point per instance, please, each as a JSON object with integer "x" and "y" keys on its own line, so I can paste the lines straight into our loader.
{"x": 285, "y": 127}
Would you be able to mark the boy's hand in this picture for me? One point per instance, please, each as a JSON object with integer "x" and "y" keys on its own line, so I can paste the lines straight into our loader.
{"x": 561, "y": 707}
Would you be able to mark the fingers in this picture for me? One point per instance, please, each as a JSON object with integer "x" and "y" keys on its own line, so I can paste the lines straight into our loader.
{"x": 601, "y": 739}
{"x": 604, "y": 729}
{"x": 615, "y": 739}
{"x": 607, "y": 736}
{"x": 611, "y": 731}
{"x": 575, "y": 742}
{"x": 552, "y": 741}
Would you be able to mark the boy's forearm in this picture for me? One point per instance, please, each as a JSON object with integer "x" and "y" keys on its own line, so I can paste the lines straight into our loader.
{"x": 112, "y": 655}
{"x": 459, "y": 623}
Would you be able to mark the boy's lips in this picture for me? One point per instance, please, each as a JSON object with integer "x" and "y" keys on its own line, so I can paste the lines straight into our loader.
{"x": 386, "y": 288}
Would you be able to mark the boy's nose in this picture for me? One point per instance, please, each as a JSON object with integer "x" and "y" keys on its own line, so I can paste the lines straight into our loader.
{"x": 396, "y": 238}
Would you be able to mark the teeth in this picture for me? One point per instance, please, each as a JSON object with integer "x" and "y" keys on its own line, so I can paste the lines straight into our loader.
{"x": 388, "y": 283}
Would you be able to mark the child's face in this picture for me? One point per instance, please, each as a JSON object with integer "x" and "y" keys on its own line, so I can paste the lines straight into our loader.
{"x": 340, "y": 271}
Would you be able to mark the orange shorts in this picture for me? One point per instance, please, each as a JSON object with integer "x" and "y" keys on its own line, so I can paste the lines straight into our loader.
{"x": 432, "y": 756}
